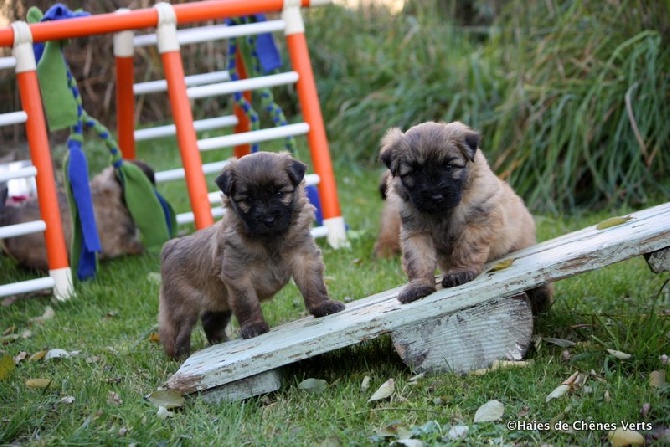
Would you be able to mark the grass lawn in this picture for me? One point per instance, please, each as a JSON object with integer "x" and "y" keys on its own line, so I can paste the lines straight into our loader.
{"x": 96, "y": 397}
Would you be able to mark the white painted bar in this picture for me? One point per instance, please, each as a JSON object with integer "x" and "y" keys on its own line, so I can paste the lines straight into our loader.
{"x": 7, "y": 62}
{"x": 7, "y": 119}
{"x": 319, "y": 231}
{"x": 200, "y": 126}
{"x": 253, "y": 137}
{"x": 23, "y": 228}
{"x": 191, "y": 81}
{"x": 244, "y": 85}
{"x": 176, "y": 174}
{"x": 28, "y": 171}
{"x": 26, "y": 286}
{"x": 214, "y": 32}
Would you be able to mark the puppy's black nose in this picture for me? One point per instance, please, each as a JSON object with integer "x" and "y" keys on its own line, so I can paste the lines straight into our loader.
{"x": 437, "y": 197}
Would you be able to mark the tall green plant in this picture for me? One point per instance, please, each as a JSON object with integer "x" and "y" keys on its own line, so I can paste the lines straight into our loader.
{"x": 585, "y": 118}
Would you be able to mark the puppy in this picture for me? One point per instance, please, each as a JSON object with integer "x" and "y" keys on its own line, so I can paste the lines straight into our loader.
{"x": 116, "y": 229}
{"x": 456, "y": 213}
{"x": 388, "y": 240}
{"x": 229, "y": 268}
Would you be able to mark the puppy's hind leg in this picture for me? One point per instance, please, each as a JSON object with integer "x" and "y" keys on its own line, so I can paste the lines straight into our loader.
{"x": 175, "y": 323}
{"x": 214, "y": 324}
{"x": 541, "y": 298}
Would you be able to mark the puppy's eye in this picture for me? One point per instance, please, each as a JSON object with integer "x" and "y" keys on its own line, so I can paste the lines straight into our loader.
{"x": 280, "y": 194}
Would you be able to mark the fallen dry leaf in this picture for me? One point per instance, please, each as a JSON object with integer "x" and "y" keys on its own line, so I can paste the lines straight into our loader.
{"x": 365, "y": 384}
{"x": 21, "y": 356}
{"x": 563, "y": 343}
{"x": 166, "y": 398}
{"x": 621, "y": 437}
{"x": 114, "y": 399}
{"x": 313, "y": 385}
{"x": 9, "y": 330}
{"x": 490, "y": 411}
{"x": 620, "y": 355}
{"x": 66, "y": 400}
{"x": 47, "y": 315}
{"x": 154, "y": 337}
{"x": 56, "y": 354}
{"x": 37, "y": 384}
{"x": 502, "y": 265}
{"x": 498, "y": 364}
{"x": 39, "y": 355}
{"x": 164, "y": 413}
{"x": 384, "y": 391}
{"x": 7, "y": 366}
{"x": 574, "y": 382}
{"x": 410, "y": 442}
{"x": 613, "y": 222}
{"x": 458, "y": 432}
{"x": 657, "y": 379}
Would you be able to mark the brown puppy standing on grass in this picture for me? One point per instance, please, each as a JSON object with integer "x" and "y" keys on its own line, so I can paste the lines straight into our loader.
{"x": 456, "y": 213}
{"x": 229, "y": 268}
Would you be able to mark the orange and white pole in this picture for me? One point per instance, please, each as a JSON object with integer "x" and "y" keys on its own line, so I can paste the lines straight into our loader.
{"x": 124, "y": 52}
{"x": 168, "y": 47}
{"x": 31, "y": 102}
{"x": 318, "y": 143}
{"x": 243, "y": 125}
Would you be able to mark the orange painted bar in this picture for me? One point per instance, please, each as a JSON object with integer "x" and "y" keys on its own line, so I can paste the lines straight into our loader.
{"x": 125, "y": 105}
{"x": 243, "y": 124}
{"x": 311, "y": 110}
{"x": 142, "y": 18}
{"x": 186, "y": 137}
{"x": 40, "y": 155}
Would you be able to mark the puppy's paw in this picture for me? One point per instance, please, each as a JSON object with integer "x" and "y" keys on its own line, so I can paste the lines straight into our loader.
{"x": 326, "y": 308}
{"x": 254, "y": 330}
{"x": 413, "y": 292}
{"x": 457, "y": 278}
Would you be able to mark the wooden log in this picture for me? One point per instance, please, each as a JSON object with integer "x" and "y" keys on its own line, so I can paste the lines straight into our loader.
{"x": 468, "y": 339}
{"x": 368, "y": 318}
{"x": 263, "y": 383}
{"x": 659, "y": 260}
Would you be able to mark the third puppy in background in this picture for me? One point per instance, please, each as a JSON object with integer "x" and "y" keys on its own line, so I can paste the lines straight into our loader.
{"x": 456, "y": 213}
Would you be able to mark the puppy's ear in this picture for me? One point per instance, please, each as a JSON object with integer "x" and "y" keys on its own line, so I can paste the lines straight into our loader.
{"x": 389, "y": 147}
{"x": 471, "y": 143}
{"x": 226, "y": 180}
{"x": 296, "y": 171}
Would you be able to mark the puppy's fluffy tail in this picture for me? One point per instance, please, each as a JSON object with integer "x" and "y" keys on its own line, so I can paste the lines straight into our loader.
{"x": 541, "y": 298}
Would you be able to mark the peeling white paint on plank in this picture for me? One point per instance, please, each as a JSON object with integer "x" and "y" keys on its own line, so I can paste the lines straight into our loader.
{"x": 574, "y": 253}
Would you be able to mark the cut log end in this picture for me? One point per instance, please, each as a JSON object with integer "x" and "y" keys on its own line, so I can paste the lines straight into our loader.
{"x": 468, "y": 339}
{"x": 659, "y": 261}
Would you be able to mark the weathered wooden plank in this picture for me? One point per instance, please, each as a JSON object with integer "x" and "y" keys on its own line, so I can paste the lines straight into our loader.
{"x": 470, "y": 339}
{"x": 578, "y": 252}
{"x": 659, "y": 261}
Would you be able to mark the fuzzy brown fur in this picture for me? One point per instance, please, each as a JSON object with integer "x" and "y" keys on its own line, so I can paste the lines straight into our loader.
{"x": 456, "y": 213}
{"x": 388, "y": 240}
{"x": 116, "y": 229}
{"x": 231, "y": 267}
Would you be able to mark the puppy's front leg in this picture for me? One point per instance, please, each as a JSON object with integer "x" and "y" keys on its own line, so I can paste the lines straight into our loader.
{"x": 308, "y": 276}
{"x": 419, "y": 261}
{"x": 467, "y": 259}
{"x": 244, "y": 302}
